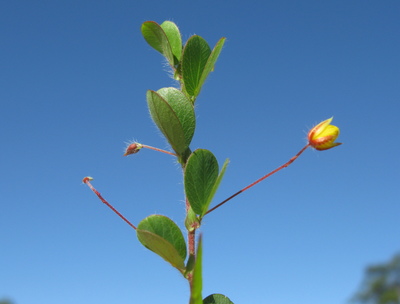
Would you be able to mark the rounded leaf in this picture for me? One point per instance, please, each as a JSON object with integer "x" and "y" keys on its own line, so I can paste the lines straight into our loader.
{"x": 155, "y": 36}
{"x": 217, "y": 299}
{"x": 194, "y": 60}
{"x": 183, "y": 109}
{"x": 201, "y": 173}
{"x": 174, "y": 38}
{"x": 162, "y": 236}
{"x": 174, "y": 115}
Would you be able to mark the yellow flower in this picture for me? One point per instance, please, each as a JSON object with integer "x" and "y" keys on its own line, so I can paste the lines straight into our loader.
{"x": 323, "y": 135}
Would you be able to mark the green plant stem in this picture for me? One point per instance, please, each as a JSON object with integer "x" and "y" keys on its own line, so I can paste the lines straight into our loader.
{"x": 260, "y": 179}
{"x": 86, "y": 181}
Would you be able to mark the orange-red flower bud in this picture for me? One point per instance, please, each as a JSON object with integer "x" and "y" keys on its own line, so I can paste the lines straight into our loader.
{"x": 87, "y": 179}
{"x": 323, "y": 135}
{"x": 133, "y": 148}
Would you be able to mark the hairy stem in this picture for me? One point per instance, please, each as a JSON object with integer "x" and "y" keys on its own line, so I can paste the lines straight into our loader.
{"x": 191, "y": 235}
{"x": 159, "y": 150}
{"x": 191, "y": 246}
{"x": 86, "y": 181}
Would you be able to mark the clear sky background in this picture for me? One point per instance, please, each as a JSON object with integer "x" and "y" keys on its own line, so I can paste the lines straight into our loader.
{"x": 73, "y": 79}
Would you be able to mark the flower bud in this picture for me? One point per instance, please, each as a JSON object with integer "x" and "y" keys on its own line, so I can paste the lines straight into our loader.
{"x": 323, "y": 135}
{"x": 133, "y": 148}
{"x": 87, "y": 179}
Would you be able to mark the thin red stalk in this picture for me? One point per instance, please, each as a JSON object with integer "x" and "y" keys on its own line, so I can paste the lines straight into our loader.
{"x": 261, "y": 179}
{"x": 86, "y": 181}
{"x": 159, "y": 150}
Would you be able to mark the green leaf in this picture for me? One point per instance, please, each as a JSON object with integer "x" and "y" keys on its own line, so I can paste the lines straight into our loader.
{"x": 183, "y": 109}
{"x": 217, "y": 299}
{"x": 201, "y": 173}
{"x": 174, "y": 115}
{"x": 194, "y": 59}
{"x": 216, "y": 185}
{"x": 197, "y": 283}
{"x": 212, "y": 59}
{"x": 155, "y": 36}
{"x": 174, "y": 38}
{"x": 197, "y": 63}
{"x": 162, "y": 236}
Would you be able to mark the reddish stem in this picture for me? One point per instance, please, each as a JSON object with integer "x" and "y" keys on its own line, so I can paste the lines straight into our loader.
{"x": 191, "y": 234}
{"x": 261, "y": 179}
{"x": 159, "y": 150}
{"x": 86, "y": 181}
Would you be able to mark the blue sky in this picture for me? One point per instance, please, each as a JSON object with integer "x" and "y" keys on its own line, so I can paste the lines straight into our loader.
{"x": 73, "y": 80}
